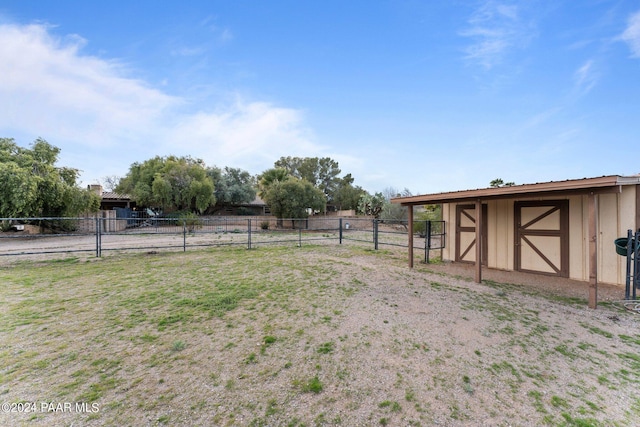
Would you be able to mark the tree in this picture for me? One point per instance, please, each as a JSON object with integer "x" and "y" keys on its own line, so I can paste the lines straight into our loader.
{"x": 31, "y": 185}
{"x": 498, "y": 182}
{"x": 110, "y": 182}
{"x": 394, "y": 211}
{"x": 322, "y": 173}
{"x": 294, "y": 198}
{"x": 371, "y": 205}
{"x": 346, "y": 196}
{"x": 270, "y": 177}
{"x": 233, "y": 186}
{"x": 171, "y": 183}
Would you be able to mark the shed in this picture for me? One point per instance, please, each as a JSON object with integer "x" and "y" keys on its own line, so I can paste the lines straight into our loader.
{"x": 558, "y": 228}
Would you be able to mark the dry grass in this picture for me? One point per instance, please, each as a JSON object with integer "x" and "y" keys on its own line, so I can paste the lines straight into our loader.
{"x": 318, "y": 335}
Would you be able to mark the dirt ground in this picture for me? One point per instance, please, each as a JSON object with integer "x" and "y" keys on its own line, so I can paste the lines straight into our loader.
{"x": 389, "y": 346}
{"x": 556, "y": 285}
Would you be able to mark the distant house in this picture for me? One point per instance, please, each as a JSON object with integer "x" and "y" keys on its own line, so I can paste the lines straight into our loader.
{"x": 257, "y": 207}
{"x": 564, "y": 228}
{"x": 110, "y": 200}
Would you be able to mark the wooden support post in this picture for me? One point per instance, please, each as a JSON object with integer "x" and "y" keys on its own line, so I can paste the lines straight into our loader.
{"x": 479, "y": 220}
{"x": 410, "y": 218}
{"x": 593, "y": 250}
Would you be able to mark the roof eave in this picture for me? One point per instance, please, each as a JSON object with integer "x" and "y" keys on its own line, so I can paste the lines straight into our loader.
{"x": 524, "y": 190}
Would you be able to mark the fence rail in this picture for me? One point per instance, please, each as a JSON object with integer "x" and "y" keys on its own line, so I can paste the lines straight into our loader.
{"x": 98, "y": 235}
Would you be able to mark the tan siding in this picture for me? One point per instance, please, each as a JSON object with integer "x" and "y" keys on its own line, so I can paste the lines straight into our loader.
{"x": 578, "y": 241}
{"x": 492, "y": 234}
{"x": 627, "y": 213}
{"x": 503, "y": 235}
{"x": 608, "y": 224}
{"x": 616, "y": 214}
{"x": 449, "y": 216}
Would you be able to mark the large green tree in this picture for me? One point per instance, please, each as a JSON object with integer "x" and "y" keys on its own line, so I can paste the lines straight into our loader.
{"x": 233, "y": 186}
{"x": 346, "y": 196}
{"x": 31, "y": 185}
{"x": 269, "y": 177}
{"x": 322, "y": 172}
{"x": 171, "y": 183}
{"x": 294, "y": 198}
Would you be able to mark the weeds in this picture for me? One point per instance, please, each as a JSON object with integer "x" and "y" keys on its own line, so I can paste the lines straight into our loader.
{"x": 178, "y": 346}
{"x": 115, "y": 332}
{"x": 326, "y": 348}
{"x": 314, "y": 385}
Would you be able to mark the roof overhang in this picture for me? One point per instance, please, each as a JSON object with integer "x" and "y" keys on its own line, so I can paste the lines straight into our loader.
{"x": 604, "y": 184}
{"x": 111, "y": 196}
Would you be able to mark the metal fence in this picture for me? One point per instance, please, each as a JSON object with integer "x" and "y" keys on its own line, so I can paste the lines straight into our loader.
{"x": 99, "y": 235}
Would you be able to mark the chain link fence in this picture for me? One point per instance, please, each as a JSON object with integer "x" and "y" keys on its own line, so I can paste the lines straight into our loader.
{"x": 99, "y": 235}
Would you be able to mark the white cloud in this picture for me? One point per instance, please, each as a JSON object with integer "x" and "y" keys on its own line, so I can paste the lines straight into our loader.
{"x": 631, "y": 34}
{"x": 585, "y": 77}
{"x": 99, "y": 115}
{"x": 495, "y": 29}
{"x": 254, "y": 134}
{"x": 54, "y": 90}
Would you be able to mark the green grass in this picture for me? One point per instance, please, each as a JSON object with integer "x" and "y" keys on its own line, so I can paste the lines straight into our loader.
{"x": 390, "y": 405}
{"x": 286, "y": 336}
{"x": 326, "y": 348}
{"x": 314, "y": 385}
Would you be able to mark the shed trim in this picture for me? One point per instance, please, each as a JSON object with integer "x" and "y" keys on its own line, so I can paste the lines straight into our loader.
{"x": 604, "y": 184}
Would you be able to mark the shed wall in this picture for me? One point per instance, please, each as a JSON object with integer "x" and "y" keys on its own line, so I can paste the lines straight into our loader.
{"x": 616, "y": 214}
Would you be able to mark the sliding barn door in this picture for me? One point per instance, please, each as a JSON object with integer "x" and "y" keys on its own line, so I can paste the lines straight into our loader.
{"x": 542, "y": 237}
{"x": 466, "y": 233}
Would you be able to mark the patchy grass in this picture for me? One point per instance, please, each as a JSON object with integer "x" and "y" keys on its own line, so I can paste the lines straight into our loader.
{"x": 315, "y": 335}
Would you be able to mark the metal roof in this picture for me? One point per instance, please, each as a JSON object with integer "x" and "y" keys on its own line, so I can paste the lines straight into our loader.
{"x": 110, "y": 195}
{"x": 583, "y": 185}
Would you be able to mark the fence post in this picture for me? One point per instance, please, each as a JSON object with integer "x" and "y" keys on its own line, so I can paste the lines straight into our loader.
{"x": 375, "y": 234}
{"x": 299, "y": 237}
{"x": 184, "y": 235}
{"x": 249, "y": 234}
{"x": 636, "y": 263}
{"x": 427, "y": 241}
{"x": 100, "y": 236}
{"x": 340, "y": 229}
{"x": 97, "y": 228}
{"x": 627, "y": 288}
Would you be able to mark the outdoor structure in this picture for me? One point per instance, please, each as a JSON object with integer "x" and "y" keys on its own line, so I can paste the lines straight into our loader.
{"x": 563, "y": 228}
{"x": 110, "y": 200}
{"x": 256, "y": 207}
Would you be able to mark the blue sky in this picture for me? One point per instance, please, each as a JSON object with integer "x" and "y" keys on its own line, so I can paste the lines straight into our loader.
{"x": 431, "y": 96}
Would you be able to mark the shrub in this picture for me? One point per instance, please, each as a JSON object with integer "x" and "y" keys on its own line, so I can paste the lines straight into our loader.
{"x": 191, "y": 220}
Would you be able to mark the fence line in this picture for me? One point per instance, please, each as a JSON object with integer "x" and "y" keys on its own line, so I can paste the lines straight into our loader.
{"x": 35, "y": 236}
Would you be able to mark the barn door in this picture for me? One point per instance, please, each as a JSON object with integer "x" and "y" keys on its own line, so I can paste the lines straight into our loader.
{"x": 542, "y": 237}
{"x": 466, "y": 233}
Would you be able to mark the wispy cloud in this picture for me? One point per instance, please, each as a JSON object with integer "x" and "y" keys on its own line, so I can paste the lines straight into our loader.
{"x": 585, "y": 77}
{"x": 246, "y": 132}
{"x": 631, "y": 34}
{"x": 494, "y": 28}
{"x": 79, "y": 102}
{"x": 55, "y": 88}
